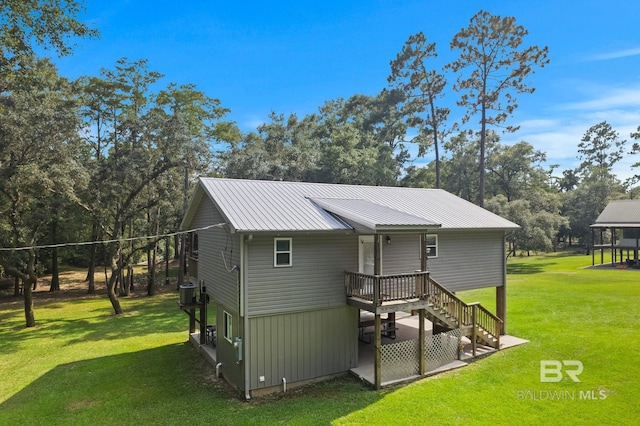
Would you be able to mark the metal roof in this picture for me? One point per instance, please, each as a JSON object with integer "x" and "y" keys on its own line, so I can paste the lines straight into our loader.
{"x": 619, "y": 214}
{"x": 374, "y": 216}
{"x": 276, "y": 206}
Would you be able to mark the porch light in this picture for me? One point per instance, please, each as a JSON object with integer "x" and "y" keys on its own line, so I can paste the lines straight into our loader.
{"x": 388, "y": 239}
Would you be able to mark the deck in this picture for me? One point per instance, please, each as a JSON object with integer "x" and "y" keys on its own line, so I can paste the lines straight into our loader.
{"x": 407, "y": 330}
{"x": 387, "y": 293}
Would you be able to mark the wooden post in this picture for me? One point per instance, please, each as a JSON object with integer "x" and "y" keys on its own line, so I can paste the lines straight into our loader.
{"x": 377, "y": 256}
{"x": 501, "y": 307}
{"x": 423, "y": 252}
{"x": 613, "y": 246}
{"x": 601, "y": 245}
{"x": 421, "y": 342}
{"x": 474, "y": 330}
{"x": 192, "y": 320}
{"x": 378, "y": 349}
{"x": 377, "y": 268}
{"x": 593, "y": 254}
{"x": 203, "y": 318}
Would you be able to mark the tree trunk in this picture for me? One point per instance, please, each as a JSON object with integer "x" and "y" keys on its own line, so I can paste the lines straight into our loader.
{"x": 116, "y": 271}
{"x": 176, "y": 245}
{"x": 28, "y": 286}
{"x": 151, "y": 289}
{"x": 28, "y": 305}
{"x": 92, "y": 260}
{"x": 183, "y": 260}
{"x": 16, "y": 286}
{"x": 55, "y": 273}
{"x": 483, "y": 142}
{"x": 166, "y": 261}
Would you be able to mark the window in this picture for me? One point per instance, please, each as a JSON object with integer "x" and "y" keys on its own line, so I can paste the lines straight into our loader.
{"x": 432, "y": 246}
{"x": 193, "y": 246}
{"x": 282, "y": 252}
{"x": 228, "y": 326}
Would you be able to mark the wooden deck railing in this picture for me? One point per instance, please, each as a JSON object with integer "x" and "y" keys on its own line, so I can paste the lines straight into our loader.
{"x": 486, "y": 320}
{"x": 378, "y": 289}
{"x": 467, "y": 315}
{"x": 386, "y": 288}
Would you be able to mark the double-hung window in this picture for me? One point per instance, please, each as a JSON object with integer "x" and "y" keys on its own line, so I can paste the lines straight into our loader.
{"x": 282, "y": 252}
{"x": 432, "y": 246}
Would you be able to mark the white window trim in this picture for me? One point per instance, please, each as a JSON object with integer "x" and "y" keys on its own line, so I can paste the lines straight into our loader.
{"x": 432, "y": 245}
{"x": 227, "y": 322}
{"x": 276, "y": 252}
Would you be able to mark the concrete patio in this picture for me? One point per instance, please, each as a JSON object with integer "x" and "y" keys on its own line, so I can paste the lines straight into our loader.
{"x": 407, "y": 329}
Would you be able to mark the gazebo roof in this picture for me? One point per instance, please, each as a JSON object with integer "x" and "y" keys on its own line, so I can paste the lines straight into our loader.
{"x": 619, "y": 214}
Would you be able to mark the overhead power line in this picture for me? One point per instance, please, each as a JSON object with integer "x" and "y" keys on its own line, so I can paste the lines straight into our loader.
{"x": 122, "y": 240}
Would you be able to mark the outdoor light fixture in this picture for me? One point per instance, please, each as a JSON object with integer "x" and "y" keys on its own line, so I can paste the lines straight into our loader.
{"x": 388, "y": 239}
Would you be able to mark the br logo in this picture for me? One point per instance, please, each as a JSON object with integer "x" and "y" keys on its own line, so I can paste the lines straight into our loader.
{"x": 552, "y": 371}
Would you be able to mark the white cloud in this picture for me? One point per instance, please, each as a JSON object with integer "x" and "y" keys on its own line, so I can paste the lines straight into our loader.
{"x": 617, "y": 54}
{"x": 612, "y": 98}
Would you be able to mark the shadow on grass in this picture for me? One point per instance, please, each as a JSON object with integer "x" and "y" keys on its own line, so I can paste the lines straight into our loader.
{"x": 168, "y": 385}
{"x": 143, "y": 316}
{"x": 527, "y": 268}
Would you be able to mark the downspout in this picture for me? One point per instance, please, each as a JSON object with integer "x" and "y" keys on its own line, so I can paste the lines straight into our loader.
{"x": 244, "y": 256}
{"x": 504, "y": 284}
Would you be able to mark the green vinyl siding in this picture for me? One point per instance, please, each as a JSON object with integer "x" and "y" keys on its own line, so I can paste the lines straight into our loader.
{"x": 466, "y": 260}
{"x": 302, "y": 345}
{"x": 314, "y": 280}
{"x": 469, "y": 260}
{"x": 225, "y": 352}
{"x": 213, "y": 243}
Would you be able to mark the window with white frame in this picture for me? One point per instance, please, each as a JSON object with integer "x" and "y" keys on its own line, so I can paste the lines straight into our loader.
{"x": 282, "y": 252}
{"x": 431, "y": 242}
{"x": 227, "y": 326}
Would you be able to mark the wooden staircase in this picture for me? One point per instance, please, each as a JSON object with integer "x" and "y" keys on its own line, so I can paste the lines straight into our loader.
{"x": 447, "y": 310}
{"x": 419, "y": 290}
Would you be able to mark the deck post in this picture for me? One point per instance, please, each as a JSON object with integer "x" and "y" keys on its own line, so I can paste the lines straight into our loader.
{"x": 203, "y": 318}
{"x": 501, "y": 306}
{"x": 421, "y": 342}
{"x": 593, "y": 241}
{"x": 474, "y": 330}
{"x": 192, "y": 320}
{"x": 378, "y": 349}
{"x": 377, "y": 270}
{"x": 423, "y": 252}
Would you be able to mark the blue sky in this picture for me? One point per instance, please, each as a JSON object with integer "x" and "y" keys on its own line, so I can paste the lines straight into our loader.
{"x": 291, "y": 57}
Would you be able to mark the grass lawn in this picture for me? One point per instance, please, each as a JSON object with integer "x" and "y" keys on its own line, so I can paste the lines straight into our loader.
{"x": 84, "y": 365}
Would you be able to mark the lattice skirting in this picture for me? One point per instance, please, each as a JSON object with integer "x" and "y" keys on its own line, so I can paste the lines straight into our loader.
{"x": 441, "y": 349}
{"x": 400, "y": 360}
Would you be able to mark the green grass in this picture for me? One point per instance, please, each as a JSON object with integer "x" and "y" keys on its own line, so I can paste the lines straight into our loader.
{"x": 83, "y": 365}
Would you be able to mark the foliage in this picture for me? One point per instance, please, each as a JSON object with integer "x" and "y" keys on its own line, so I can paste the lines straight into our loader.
{"x": 421, "y": 88}
{"x": 38, "y": 136}
{"x": 599, "y": 150}
{"x": 538, "y": 216}
{"x": 492, "y": 68}
{"x": 515, "y": 170}
{"x": 47, "y": 23}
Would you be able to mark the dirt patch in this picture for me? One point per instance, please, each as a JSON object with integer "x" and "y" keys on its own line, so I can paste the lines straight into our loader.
{"x": 73, "y": 285}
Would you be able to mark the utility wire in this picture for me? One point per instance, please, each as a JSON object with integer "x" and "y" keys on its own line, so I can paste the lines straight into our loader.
{"x": 87, "y": 243}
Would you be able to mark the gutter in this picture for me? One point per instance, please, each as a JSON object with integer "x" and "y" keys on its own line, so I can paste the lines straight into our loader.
{"x": 244, "y": 255}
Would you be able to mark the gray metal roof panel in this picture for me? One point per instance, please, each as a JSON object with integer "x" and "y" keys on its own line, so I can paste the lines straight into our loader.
{"x": 254, "y": 205}
{"x": 620, "y": 212}
{"x": 373, "y": 216}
